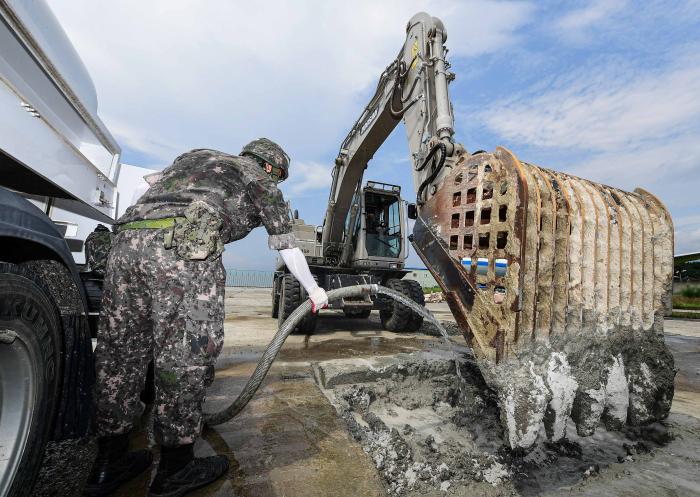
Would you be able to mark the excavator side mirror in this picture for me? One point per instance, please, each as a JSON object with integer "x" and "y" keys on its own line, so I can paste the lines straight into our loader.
{"x": 412, "y": 211}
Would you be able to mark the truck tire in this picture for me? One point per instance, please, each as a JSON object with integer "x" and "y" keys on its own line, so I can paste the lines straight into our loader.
{"x": 395, "y": 316}
{"x": 92, "y": 283}
{"x": 357, "y": 314}
{"x": 30, "y": 373}
{"x": 414, "y": 290}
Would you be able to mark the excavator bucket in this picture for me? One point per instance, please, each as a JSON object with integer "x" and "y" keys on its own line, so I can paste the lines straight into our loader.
{"x": 560, "y": 286}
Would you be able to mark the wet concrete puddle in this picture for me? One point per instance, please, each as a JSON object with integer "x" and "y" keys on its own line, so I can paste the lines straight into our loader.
{"x": 421, "y": 432}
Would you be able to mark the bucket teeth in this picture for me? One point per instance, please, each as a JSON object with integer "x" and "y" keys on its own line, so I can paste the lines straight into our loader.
{"x": 560, "y": 286}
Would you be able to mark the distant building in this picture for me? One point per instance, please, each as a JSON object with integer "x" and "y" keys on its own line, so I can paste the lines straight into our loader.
{"x": 686, "y": 271}
{"x": 422, "y": 276}
{"x": 686, "y": 267}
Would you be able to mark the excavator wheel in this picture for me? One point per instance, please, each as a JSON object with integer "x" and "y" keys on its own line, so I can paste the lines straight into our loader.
{"x": 290, "y": 297}
{"x": 308, "y": 324}
{"x": 414, "y": 290}
{"x": 275, "y": 301}
{"x": 397, "y": 317}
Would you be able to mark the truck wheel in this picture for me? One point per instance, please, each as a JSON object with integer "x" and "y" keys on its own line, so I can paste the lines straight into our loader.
{"x": 413, "y": 289}
{"x": 395, "y": 316}
{"x": 357, "y": 314}
{"x": 30, "y": 372}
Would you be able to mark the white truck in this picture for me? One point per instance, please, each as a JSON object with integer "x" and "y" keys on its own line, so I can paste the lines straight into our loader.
{"x": 56, "y": 155}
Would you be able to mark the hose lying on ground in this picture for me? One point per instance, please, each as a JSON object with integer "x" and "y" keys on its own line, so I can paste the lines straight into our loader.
{"x": 217, "y": 418}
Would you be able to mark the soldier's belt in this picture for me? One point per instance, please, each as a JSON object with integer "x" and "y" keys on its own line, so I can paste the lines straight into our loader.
{"x": 151, "y": 224}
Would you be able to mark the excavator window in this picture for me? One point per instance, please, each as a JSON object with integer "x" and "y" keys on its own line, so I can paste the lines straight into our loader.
{"x": 383, "y": 225}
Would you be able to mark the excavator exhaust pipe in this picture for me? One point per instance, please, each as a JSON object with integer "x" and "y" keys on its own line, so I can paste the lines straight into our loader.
{"x": 560, "y": 285}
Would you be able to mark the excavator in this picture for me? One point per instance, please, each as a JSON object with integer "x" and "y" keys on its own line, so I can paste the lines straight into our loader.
{"x": 558, "y": 284}
{"x": 373, "y": 250}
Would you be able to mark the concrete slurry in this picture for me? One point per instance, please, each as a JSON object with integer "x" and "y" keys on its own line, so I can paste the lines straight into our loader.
{"x": 296, "y": 438}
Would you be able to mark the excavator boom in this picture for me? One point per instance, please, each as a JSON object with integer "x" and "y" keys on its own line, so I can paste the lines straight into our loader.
{"x": 559, "y": 284}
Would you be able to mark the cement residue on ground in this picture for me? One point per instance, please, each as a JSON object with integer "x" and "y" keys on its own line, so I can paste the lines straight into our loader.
{"x": 433, "y": 428}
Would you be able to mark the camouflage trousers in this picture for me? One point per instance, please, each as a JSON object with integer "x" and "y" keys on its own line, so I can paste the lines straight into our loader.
{"x": 157, "y": 306}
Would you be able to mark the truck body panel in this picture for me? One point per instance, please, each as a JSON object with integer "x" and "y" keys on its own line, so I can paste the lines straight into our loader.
{"x": 52, "y": 140}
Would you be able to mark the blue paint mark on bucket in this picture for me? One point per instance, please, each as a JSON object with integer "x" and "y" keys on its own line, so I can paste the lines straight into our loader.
{"x": 482, "y": 266}
{"x": 501, "y": 267}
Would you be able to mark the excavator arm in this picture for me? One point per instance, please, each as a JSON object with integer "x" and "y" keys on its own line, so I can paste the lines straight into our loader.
{"x": 559, "y": 284}
{"x": 414, "y": 87}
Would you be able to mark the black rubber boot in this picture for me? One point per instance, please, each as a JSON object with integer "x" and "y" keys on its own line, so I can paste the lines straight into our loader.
{"x": 179, "y": 472}
{"x": 115, "y": 465}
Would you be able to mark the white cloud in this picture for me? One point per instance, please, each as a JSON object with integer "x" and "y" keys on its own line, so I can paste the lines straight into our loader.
{"x": 687, "y": 241}
{"x": 619, "y": 125}
{"x": 683, "y": 221}
{"x": 657, "y": 166}
{"x": 177, "y": 75}
{"x": 605, "y": 109}
{"x": 306, "y": 177}
{"x": 577, "y": 24}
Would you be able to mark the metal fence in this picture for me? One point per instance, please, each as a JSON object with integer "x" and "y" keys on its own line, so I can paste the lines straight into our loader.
{"x": 249, "y": 278}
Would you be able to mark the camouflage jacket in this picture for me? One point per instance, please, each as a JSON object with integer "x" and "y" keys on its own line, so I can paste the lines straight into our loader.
{"x": 237, "y": 188}
{"x": 97, "y": 247}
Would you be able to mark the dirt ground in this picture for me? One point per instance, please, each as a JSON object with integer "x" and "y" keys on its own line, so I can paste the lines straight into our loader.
{"x": 292, "y": 439}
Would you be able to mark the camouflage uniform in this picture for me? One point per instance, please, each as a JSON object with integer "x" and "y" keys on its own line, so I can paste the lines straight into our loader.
{"x": 156, "y": 304}
{"x": 97, "y": 247}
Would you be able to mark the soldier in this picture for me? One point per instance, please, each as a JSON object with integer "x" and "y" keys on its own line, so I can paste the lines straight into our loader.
{"x": 164, "y": 299}
{"x": 97, "y": 247}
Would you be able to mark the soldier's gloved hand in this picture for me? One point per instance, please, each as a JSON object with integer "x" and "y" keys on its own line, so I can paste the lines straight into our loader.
{"x": 318, "y": 298}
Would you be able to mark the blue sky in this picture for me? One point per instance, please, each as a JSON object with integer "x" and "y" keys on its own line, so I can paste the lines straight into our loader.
{"x": 605, "y": 90}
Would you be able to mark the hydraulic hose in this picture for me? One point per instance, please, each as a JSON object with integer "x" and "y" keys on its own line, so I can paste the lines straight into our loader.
{"x": 268, "y": 357}
{"x": 435, "y": 171}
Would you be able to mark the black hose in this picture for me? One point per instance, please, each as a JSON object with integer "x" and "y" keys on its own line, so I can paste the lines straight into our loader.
{"x": 398, "y": 90}
{"x": 228, "y": 413}
{"x": 430, "y": 156}
{"x": 434, "y": 173}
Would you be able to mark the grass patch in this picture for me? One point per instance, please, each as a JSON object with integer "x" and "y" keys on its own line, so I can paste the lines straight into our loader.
{"x": 691, "y": 292}
{"x": 681, "y": 301}
{"x": 432, "y": 289}
{"x": 686, "y": 315}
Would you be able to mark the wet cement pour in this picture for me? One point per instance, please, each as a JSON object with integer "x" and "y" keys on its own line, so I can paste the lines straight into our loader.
{"x": 430, "y": 425}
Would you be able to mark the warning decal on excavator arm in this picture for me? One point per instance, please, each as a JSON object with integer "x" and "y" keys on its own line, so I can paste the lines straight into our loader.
{"x": 414, "y": 53}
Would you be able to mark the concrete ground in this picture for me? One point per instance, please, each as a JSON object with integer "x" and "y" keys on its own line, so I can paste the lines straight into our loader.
{"x": 289, "y": 440}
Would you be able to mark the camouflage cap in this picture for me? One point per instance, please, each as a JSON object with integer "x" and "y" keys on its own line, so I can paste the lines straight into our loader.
{"x": 268, "y": 151}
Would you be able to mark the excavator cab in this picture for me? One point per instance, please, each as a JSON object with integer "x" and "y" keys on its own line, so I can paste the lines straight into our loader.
{"x": 379, "y": 235}
{"x": 373, "y": 249}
